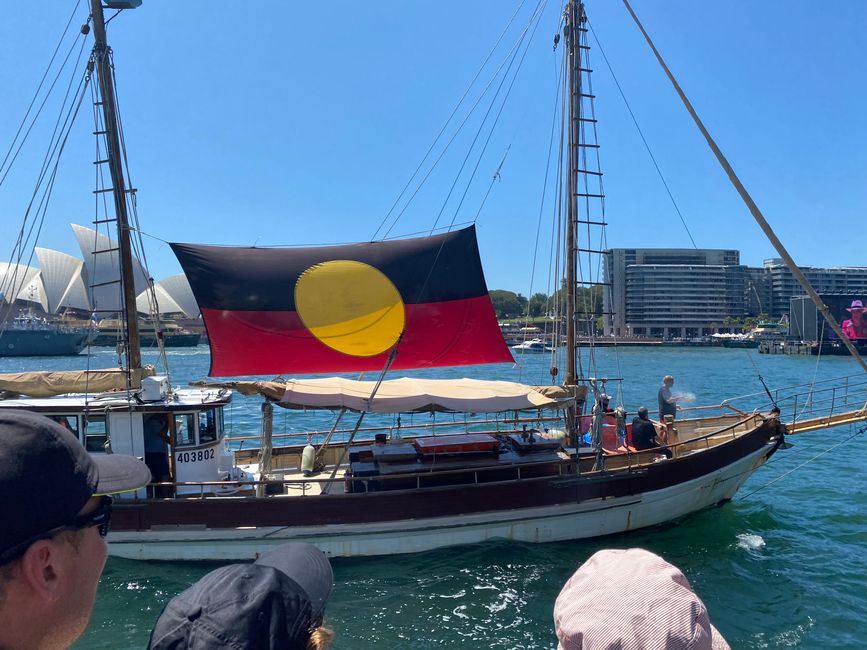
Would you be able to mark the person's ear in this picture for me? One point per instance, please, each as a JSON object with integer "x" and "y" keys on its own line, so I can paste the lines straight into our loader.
{"x": 42, "y": 568}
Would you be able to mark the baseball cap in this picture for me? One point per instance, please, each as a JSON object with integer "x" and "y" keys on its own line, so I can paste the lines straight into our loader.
{"x": 272, "y": 603}
{"x": 632, "y": 599}
{"x": 46, "y": 476}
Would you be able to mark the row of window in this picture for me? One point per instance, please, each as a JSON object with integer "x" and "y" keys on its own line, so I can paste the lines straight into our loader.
{"x": 93, "y": 430}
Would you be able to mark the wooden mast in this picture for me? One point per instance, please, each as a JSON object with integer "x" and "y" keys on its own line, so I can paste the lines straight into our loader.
{"x": 101, "y": 55}
{"x": 574, "y": 14}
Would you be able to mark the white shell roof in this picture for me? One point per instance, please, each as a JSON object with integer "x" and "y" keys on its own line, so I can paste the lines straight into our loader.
{"x": 165, "y": 303}
{"x": 19, "y": 280}
{"x": 173, "y": 295}
{"x": 62, "y": 280}
{"x": 102, "y": 267}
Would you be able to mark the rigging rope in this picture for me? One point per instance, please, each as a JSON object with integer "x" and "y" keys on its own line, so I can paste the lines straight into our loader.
{"x": 454, "y": 135}
{"x": 45, "y": 184}
{"x": 761, "y": 379}
{"x": 858, "y": 432}
{"x": 36, "y": 95}
{"x": 643, "y": 139}
{"x": 448, "y": 121}
{"x": 534, "y": 22}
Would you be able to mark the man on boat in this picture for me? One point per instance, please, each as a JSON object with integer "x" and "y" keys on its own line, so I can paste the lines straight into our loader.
{"x": 667, "y": 401}
{"x": 156, "y": 438}
{"x": 55, "y": 516}
{"x": 644, "y": 433}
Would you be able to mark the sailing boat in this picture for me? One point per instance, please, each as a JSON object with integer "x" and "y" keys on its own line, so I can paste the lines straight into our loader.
{"x": 378, "y": 307}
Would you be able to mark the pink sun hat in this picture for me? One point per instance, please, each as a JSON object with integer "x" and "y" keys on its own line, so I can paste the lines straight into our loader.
{"x": 856, "y": 304}
{"x": 632, "y": 600}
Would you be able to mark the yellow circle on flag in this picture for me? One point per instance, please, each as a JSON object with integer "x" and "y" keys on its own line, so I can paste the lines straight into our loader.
{"x": 350, "y": 306}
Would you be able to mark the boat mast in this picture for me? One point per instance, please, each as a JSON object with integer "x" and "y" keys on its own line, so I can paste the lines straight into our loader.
{"x": 102, "y": 58}
{"x": 574, "y": 17}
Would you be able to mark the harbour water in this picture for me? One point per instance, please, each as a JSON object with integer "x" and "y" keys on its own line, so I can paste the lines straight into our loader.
{"x": 782, "y": 566}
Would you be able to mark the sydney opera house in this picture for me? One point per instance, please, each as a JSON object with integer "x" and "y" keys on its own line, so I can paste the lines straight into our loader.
{"x": 62, "y": 284}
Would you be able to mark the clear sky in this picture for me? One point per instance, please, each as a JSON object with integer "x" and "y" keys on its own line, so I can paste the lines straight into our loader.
{"x": 276, "y": 122}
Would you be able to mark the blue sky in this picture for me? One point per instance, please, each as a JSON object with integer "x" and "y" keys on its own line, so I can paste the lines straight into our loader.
{"x": 299, "y": 123}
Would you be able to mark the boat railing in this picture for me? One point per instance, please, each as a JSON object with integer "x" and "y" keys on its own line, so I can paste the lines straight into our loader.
{"x": 432, "y": 426}
{"x": 423, "y": 479}
{"x": 827, "y": 398}
{"x": 704, "y": 441}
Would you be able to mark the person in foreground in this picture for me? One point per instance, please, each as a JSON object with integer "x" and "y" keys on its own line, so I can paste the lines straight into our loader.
{"x": 632, "y": 599}
{"x": 277, "y": 603}
{"x": 55, "y": 513}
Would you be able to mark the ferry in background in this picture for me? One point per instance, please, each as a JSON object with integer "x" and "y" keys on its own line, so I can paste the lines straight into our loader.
{"x": 110, "y": 330}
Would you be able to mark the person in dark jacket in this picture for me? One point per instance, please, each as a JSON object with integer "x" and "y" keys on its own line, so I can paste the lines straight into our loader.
{"x": 644, "y": 433}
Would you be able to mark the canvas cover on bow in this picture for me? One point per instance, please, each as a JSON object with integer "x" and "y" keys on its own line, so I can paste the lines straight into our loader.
{"x": 345, "y": 308}
{"x": 62, "y": 382}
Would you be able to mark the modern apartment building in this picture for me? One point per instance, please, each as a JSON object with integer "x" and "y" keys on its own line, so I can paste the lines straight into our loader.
{"x": 784, "y": 286}
{"x": 673, "y": 292}
{"x": 665, "y": 292}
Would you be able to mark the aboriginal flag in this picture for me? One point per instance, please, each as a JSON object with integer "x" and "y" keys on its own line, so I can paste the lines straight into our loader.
{"x": 344, "y": 308}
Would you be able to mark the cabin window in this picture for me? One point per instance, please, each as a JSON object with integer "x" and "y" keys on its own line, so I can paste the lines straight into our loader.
{"x": 68, "y": 422}
{"x": 185, "y": 429}
{"x": 95, "y": 433}
{"x": 208, "y": 429}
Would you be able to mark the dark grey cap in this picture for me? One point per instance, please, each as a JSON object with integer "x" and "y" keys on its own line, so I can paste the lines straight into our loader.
{"x": 46, "y": 476}
{"x": 273, "y": 603}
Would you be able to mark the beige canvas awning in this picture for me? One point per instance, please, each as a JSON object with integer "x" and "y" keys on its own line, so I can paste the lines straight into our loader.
{"x": 49, "y": 384}
{"x": 405, "y": 395}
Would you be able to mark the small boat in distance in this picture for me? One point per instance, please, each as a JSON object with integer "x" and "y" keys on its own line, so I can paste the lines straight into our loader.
{"x": 533, "y": 345}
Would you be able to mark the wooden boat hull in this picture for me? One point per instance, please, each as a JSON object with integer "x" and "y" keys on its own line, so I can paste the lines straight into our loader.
{"x": 559, "y": 506}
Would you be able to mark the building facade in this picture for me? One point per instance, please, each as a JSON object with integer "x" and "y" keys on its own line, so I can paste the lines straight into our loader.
{"x": 672, "y": 292}
{"x": 784, "y": 286}
{"x": 683, "y": 293}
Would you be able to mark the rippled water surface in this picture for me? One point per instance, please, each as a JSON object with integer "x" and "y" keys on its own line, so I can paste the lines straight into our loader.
{"x": 782, "y": 566}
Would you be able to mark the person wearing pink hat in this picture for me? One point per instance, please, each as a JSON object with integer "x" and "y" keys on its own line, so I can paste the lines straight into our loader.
{"x": 632, "y": 599}
{"x": 855, "y": 327}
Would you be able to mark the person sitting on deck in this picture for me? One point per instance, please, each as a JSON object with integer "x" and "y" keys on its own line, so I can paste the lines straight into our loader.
{"x": 644, "y": 434}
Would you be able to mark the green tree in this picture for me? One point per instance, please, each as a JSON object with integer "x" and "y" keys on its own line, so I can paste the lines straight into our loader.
{"x": 507, "y": 304}
{"x": 538, "y": 305}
